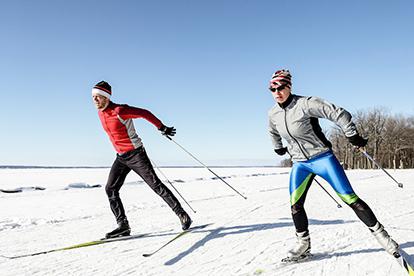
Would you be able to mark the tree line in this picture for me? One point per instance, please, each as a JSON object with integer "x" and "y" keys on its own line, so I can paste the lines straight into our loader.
{"x": 390, "y": 141}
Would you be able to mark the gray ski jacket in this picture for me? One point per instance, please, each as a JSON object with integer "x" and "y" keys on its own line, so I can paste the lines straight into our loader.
{"x": 296, "y": 121}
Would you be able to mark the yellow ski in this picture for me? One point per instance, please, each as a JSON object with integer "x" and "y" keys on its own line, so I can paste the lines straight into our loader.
{"x": 80, "y": 245}
{"x": 402, "y": 260}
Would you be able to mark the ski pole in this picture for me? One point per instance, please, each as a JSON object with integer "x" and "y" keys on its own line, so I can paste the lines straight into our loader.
{"x": 400, "y": 185}
{"x": 158, "y": 168}
{"x": 168, "y": 137}
{"x": 338, "y": 204}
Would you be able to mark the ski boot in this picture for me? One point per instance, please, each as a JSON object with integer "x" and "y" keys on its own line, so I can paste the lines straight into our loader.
{"x": 301, "y": 250}
{"x": 122, "y": 230}
{"x": 185, "y": 220}
{"x": 384, "y": 239}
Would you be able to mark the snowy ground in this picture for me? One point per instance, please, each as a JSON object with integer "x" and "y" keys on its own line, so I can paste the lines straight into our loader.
{"x": 246, "y": 237}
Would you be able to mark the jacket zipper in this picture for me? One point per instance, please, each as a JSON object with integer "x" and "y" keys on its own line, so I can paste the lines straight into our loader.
{"x": 293, "y": 138}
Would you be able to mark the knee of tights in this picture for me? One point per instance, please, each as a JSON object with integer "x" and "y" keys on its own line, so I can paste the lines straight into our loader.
{"x": 160, "y": 191}
{"x": 157, "y": 186}
{"x": 359, "y": 205}
{"x": 112, "y": 194}
{"x": 296, "y": 208}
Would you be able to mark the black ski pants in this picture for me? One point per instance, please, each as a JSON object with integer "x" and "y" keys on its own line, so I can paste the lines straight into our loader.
{"x": 138, "y": 161}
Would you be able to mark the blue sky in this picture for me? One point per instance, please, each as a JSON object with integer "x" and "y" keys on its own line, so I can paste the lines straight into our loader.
{"x": 202, "y": 66}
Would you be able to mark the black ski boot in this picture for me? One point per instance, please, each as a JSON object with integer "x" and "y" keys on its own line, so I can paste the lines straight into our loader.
{"x": 122, "y": 230}
{"x": 185, "y": 220}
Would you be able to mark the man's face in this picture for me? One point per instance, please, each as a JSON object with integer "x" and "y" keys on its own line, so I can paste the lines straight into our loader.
{"x": 280, "y": 93}
{"x": 100, "y": 101}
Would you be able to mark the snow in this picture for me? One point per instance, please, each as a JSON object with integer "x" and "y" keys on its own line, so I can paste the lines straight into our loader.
{"x": 246, "y": 237}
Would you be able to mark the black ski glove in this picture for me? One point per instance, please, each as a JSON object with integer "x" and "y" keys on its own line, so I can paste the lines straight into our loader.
{"x": 281, "y": 151}
{"x": 170, "y": 131}
{"x": 358, "y": 141}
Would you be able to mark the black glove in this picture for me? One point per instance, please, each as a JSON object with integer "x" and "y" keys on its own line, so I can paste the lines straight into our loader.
{"x": 358, "y": 141}
{"x": 170, "y": 131}
{"x": 281, "y": 151}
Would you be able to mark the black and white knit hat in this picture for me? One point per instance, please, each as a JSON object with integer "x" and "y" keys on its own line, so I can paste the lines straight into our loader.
{"x": 102, "y": 88}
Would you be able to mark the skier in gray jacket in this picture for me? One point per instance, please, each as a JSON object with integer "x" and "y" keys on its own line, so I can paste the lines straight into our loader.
{"x": 295, "y": 119}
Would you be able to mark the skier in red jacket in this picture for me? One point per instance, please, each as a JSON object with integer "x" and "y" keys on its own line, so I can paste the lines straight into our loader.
{"x": 117, "y": 121}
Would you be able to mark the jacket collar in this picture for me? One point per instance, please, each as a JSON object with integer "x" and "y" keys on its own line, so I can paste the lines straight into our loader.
{"x": 287, "y": 102}
{"x": 109, "y": 107}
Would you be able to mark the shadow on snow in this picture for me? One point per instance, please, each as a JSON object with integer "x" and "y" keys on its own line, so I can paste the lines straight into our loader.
{"x": 323, "y": 256}
{"x": 241, "y": 229}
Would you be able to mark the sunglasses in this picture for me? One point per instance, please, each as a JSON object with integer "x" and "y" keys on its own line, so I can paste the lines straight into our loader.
{"x": 280, "y": 88}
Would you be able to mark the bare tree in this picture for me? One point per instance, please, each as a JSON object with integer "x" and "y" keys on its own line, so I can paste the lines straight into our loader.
{"x": 391, "y": 140}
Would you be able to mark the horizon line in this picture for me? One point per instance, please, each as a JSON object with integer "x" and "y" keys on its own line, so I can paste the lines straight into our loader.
{"x": 107, "y": 167}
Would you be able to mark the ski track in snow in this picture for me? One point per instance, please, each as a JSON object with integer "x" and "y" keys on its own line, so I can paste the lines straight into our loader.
{"x": 246, "y": 237}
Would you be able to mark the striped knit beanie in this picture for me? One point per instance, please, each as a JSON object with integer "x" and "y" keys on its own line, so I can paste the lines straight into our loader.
{"x": 281, "y": 77}
{"x": 102, "y": 88}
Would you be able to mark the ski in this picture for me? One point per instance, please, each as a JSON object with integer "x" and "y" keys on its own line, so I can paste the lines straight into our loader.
{"x": 176, "y": 237}
{"x": 80, "y": 245}
{"x": 402, "y": 260}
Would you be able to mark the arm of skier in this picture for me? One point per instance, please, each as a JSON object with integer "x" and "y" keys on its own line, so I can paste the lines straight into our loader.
{"x": 320, "y": 108}
{"x": 130, "y": 112}
{"x": 276, "y": 139}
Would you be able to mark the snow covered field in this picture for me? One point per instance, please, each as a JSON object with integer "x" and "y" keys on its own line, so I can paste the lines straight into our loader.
{"x": 246, "y": 237}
